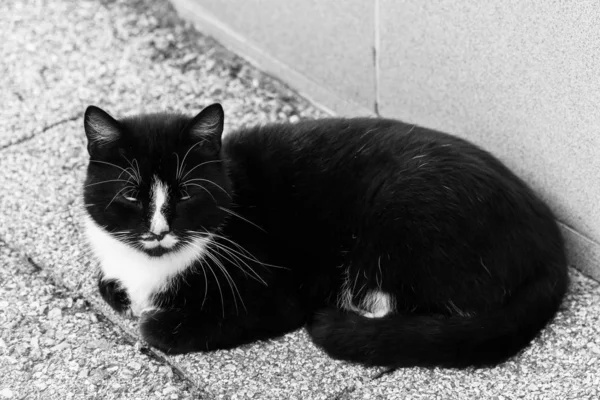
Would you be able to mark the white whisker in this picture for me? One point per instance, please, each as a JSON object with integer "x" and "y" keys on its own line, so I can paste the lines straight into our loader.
{"x": 116, "y": 166}
{"x": 248, "y": 255}
{"x": 118, "y": 193}
{"x": 188, "y": 152}
{"x": 137, "y": 166}
{"x": 205, "y": 283}
{"x": 203, "y": 188}
{"x": 219, "y": 286}
{"x": 177, "y": 172}
{"x": 230, "y": 252}
{"x": 229, "y": 279}
{"x": 227, "y": 210}
{"x": 206, "y": 252}
{"x": 136, "y": 170}
{"x": 208, "y": 181}
{"x": 199, "y": 165}
{"x": 107, "y": 181}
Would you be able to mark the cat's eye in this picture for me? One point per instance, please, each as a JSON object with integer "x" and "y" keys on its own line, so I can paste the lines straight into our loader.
{"x": 130, "y": 197}
{"x": 184, "y": 195}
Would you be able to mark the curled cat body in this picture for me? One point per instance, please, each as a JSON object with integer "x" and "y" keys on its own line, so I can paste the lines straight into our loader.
{"x": 393, "y": 244}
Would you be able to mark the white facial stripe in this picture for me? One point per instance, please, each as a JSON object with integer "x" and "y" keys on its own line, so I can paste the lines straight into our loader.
{"x": 160, "y": 196}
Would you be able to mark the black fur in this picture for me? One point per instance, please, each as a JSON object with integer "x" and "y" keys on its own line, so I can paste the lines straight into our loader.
{"x": 473, "y": 258}
{"x": 113, "y": 294}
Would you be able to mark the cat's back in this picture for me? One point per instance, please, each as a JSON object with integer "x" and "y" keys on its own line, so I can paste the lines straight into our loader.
{"x": 311, "y": 134}
{"x": 407, "y": 185}
{"x": 356, "y": 159}
{"x": 360, "y": 144}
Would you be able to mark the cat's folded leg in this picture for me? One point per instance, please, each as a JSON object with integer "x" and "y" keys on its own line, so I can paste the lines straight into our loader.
{"x": 114, "y": 295}
{"x": 175, "y": 331}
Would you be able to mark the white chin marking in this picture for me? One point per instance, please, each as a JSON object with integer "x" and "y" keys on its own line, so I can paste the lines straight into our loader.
{"x": 168, "y": 241}
{"x": 150, "y": 244}
{"x": 160, "y": 196}
{"x": 138, "y": 273}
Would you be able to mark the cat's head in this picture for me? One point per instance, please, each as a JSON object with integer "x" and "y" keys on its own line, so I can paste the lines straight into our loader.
{"x": 156, "y": 182}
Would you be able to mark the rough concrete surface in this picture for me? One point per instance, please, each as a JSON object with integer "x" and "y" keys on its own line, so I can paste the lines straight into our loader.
{"x": 54, "y": 345}
{"x": 56, "y": 335}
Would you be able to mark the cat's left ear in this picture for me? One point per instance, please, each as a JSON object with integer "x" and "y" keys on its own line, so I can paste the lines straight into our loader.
{"x": 101, "y": 130}
{"x": 207, "y": 127}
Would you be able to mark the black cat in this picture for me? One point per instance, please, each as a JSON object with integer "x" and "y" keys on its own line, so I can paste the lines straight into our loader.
{"x": 396, "y": 245}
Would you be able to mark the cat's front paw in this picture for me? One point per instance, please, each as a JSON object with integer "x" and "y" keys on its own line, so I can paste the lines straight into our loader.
{"x": 165, "y": 330}
{"x": 114, "y": 296}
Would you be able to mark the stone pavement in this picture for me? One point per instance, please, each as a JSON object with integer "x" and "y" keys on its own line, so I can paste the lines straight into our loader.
{"x": 58, "y": 340}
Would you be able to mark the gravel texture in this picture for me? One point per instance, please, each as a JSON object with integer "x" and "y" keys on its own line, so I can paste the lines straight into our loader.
{"x": 54, "y": 345}
{"x": 130, "y": 56}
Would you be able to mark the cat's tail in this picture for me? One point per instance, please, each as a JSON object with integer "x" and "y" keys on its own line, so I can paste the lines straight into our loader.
{"x": 398, "y": 340}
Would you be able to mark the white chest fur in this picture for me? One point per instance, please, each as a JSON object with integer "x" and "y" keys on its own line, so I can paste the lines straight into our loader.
{"x": 138, "y": 273}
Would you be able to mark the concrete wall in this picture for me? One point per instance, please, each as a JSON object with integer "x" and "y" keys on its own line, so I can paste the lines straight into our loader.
{"x": 520, "y": 78}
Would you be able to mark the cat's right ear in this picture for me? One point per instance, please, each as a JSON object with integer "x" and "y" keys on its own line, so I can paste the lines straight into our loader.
{"x": 101, "y": 130}
{"x": 207, "y": 127}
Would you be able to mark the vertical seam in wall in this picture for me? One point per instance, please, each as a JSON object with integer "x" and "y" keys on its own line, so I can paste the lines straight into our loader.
{"x": 376, "y": 55}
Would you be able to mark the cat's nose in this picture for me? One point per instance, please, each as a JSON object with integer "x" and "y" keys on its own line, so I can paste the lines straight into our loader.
{"x": 159, "y": 236}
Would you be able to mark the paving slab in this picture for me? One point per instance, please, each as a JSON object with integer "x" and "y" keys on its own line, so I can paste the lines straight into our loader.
{"x": 563, "y": 363}
{"x": 41, "y": 178}
{"x": 54, "y": 345}
{"x": 48, "y": 59}
{"x": 60, "y": 56}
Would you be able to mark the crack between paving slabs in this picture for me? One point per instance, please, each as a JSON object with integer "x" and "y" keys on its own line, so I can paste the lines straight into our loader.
{"x": 34, "y": 134}
{"x": 342, "y": 394}
{"x": 94, "y": 307}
